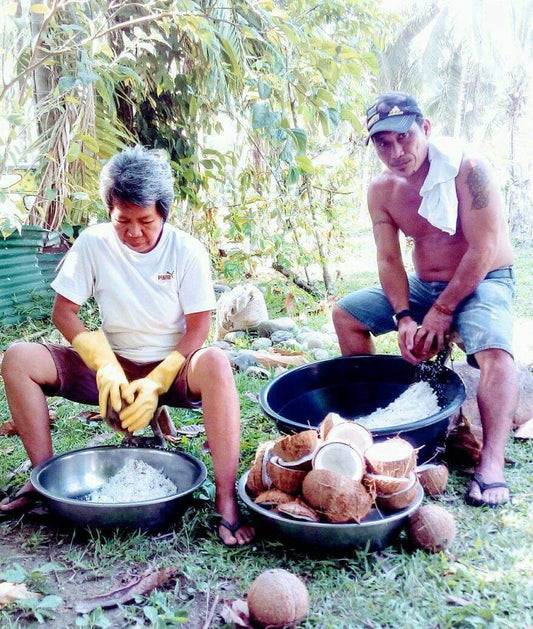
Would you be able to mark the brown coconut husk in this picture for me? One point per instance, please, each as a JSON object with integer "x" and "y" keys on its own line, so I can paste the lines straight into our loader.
{"x": 298, "y": 510}
{"x": 294, "y": 447}
{"x": 278, "y": 598}
{"x": 340, "y": 457}
{"x": 385, "y": 485}
{"x": 255, "y": 482}
{"x": 400, "y": 499}
{"x": 353, "y": 433}
{"x": 433, "y": 478}
{"x": 431, "y": 528}
{"x": 393, "y": 457}
{"x": 273, "y": 498}
{"x": 288, "y": 480}
{"x": 463, "y": 447}
{"x": 336, "y": 497}
{"x": 329, "y": 422}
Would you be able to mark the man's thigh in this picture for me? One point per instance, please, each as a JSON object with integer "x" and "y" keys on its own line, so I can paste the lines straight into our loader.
{"x": 371, "y": 307}
{"x": 484, "y": 320}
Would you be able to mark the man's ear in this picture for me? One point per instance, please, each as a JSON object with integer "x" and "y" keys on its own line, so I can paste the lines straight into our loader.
{"x": 427, "y": 127}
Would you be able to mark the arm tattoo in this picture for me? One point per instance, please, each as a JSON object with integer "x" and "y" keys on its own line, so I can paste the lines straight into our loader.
{"x": 478, "y": 184}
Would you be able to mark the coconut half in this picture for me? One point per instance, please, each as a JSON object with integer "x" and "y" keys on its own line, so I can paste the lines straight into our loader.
{"x": 385, "y": 485}
{"x": 353, "y": 433}
{"x": 329, "y": 421}
{"x": 433, "y": 478}
{"x": 400, "y": 499}
{"x": 284, "y": 478}
{"x": 255, "y": 483}
{"x": 432, "y": 528}
{"x": 294, "y": 447}
{"x": 273, "y": 498}
{"x": 337, "y": 497}
{"x": 341, "y": 458}
{"x": 393, "y": 457}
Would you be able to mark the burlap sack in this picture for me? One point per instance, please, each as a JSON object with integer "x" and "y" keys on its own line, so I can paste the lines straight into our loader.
{"x": 241, "y": 308}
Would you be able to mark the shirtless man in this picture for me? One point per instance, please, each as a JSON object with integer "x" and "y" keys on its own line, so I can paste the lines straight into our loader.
{"x": 464, "y": 280}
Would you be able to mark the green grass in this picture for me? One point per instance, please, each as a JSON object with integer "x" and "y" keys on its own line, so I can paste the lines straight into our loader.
{"x": 485, "y": 580}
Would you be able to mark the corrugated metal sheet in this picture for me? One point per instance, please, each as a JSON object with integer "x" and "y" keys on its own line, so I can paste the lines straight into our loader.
{"x": 25, "y": 276}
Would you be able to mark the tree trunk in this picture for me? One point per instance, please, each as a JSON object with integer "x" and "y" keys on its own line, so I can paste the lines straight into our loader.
{"x": 43, "y": 78}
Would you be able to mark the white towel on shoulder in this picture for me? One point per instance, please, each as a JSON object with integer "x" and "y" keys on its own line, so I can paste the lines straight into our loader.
{"x": 439, "y": 197}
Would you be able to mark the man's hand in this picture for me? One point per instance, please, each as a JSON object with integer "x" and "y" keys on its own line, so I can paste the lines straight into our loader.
{"x": 433, "y": 332}
{"x": 142, "y": 398}
{"x": 407, "y": 328}
{"x": 96, "y": 353}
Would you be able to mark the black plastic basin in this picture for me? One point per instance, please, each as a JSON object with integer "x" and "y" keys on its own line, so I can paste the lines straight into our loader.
{"x": 355, "y": 386}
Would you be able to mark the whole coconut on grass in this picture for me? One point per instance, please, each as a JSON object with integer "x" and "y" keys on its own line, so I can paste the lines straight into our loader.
{"x": 278, "y": 598}
{"x": 431, "y": 528}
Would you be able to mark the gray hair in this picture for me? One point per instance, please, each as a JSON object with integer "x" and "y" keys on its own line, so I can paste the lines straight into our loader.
{"x": 139, "y": 176}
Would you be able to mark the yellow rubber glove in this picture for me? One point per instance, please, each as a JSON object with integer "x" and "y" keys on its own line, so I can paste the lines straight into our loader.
{"x": 142, "y": 396}
{"x": 96, "y": 353}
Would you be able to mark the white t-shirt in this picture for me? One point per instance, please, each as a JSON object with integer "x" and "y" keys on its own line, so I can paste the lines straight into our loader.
{"x": 143, "y": 297}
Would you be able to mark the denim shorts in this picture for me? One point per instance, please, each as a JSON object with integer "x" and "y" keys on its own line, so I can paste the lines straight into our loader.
{"x": 483, "y": 320}
{"x": 78, "y": 383}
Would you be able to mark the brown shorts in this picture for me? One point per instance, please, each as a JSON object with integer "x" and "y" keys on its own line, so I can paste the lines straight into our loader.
{"x": 78, "y": 383}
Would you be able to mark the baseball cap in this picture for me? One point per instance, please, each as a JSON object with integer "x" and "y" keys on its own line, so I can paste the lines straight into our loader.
{"x": 393, "y": 111}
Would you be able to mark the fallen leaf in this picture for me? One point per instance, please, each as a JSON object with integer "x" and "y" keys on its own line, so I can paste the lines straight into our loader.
{"x": 7, "y": 429}
{"x": 525, "y": 431}
{"x": 271, "y": 359}
{"x": 237, "y": 613}
{"x": 191, "y": 430}
{"x": 89, "y": 416}
{"x": 11, "y": 592}
{"x": 7, "y": 450}
{"x": 252, "y": 396}
{"x": 289, "y": 303}
{"x": 143, "y": 584}
{"x": 457, "y": 600}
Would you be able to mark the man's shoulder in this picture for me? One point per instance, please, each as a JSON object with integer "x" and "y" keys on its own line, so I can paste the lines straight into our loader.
{"x": 183, "y": 239}
{"x": 95, "y": 233}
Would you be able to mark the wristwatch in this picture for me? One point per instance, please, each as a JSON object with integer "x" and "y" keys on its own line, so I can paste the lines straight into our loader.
{"x": 400, "y": 315}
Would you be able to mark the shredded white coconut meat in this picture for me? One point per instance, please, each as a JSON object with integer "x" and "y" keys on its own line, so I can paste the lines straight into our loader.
{"x": 135, "y": 482}
{"x": 417, "y": 402}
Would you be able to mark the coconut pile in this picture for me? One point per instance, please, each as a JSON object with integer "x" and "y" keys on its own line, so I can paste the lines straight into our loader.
{"x": 336, "y": 474}
{"x": 418, "y": 401}
{"x": 137, "y": 481}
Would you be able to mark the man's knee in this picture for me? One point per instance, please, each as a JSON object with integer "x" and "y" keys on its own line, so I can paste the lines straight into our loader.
{"x": 213, "y": 363}
{"x": 28, "y": 359}
{"x": 496, "y": 365}
{"x": 343, "y": 321}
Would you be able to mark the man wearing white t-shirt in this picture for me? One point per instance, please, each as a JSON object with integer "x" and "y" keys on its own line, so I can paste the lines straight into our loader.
{"x": 152, "y": 283}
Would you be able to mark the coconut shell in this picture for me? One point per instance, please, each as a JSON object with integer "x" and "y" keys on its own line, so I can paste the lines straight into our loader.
{"x": 393, "y": 457}
{"x": 433, "y": 478}
{"x": 298, "y": 510}
{"x": 294, "y": 447}
{"x": 431, "y": 528}
{"x": 337, "y": 497}
{"x": 273, "y": 497}
{"x": 340, "y": 457}
{"x": 329, "y": 421}
{"x": 305, "y": 464}
{"x": 278, "y": 598}
{"x": 353, "y": 433}
{"x": 400, "y": 499}
{"x": 385, "y": 485}
{"x": 418, "y": 347}
{"x": 255, "y": 482}
{"x": 288, "y": 480}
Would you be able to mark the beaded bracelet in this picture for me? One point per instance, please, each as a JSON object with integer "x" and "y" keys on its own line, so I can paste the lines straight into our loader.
{"x": 443, "y": 309}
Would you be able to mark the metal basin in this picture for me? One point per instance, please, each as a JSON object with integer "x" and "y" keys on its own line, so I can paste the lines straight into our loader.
{"x": 375, "y": 532}
{"x": 355, "y": 386}
{"x": 66, "y": 478}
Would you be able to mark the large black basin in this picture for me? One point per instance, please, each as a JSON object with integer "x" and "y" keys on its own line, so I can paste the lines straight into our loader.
{"x": 355, "y": 386}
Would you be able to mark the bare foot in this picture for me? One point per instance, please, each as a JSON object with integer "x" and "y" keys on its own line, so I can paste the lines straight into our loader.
{"x": 23, "y": 499}
{"x": 229, "y": 533}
